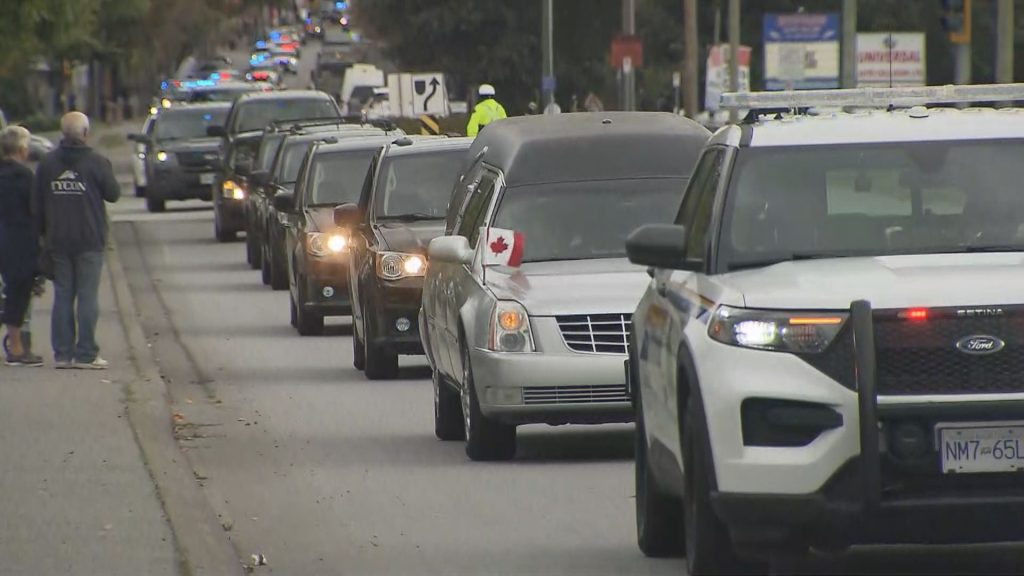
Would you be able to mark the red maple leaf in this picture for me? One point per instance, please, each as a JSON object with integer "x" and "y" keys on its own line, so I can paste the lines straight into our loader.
{"x": 499, "y": 245}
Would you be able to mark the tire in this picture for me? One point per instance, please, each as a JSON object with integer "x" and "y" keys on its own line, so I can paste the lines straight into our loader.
{"x": 252, "y": 250}
{"x": 709, "y": 548}
{"x": 155, "y": 205}
{"x": 379, "y": 363}
{"x": 659, "y": 517}
{"x": 293, "y": 312}
{"x": 221, "y": 234}
{"x": 486, "y": 439}
{"x": 358, "y": 351}
{"x": 448, "y": 423}
{"x": 264, "y": 265}
{"x": 306, "y": 322}
{"x": 278, "y": 271}
{"x": 140, "y": 191}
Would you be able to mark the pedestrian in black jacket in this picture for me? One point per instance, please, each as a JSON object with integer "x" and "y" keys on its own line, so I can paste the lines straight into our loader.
{"x": 19, "y": 242}
{"x": 72, "y": 184}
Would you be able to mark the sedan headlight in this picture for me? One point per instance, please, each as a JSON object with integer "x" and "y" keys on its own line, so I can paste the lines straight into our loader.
{"x": 776, "y": 330}
{"x": 510, "y": 328}
{"x": 162, "y": 156}
{"x": 233, "y": 190}
{"x": 397, "y": 265}
{"x": 321, "y": 244}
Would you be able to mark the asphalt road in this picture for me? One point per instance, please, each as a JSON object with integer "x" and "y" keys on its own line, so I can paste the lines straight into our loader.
{"x": 323, "y": 471}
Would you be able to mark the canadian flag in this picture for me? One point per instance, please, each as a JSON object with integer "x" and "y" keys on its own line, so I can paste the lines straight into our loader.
{"x": 502, "y": 247}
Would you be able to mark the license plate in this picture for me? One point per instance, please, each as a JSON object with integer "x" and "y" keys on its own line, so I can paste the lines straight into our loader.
{"x": 970, "y": 448}
{"x": 206, "y": 178}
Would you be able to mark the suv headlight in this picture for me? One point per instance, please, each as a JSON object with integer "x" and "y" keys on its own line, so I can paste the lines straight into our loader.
{"x": 776, "y": 330}
{"x": 232, "y": 189}
{"x": 163, "y": 156}
{"x": 322, "y": 244}
{"x": 397, "y": 265}
{"x": 510, "y": 328}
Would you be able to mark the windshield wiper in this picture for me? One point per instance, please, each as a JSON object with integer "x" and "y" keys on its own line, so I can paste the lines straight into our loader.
{"x": 796, "y": 256}
{"x": 411, "y": 217}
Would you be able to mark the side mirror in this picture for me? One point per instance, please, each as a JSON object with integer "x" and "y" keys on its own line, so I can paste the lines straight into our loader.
{"x": 259, "y": 177}
{"x": 658, "y": 245}
{"x": 347, "y": 216}
{"x": 216, "y": 131}
{"x": 284, "y": 202}
{"x": 454, "y": 249}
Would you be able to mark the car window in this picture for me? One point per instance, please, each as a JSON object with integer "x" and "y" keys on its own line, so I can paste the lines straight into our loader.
{"x": 900, "y": 198}
{"x": 268, "y": 149}
{"x": 584, "y": 220}
{"x": 291, "y": 161}
{"x": 699, "y": 203}
{"x": 472, "y": 218}
{"x": 256, "y": 114}
{"x": 458, "y": 199}
{"x": 337, "y": 178}
{"x": 184, "y": 124}
{"x": 416, "y": 184}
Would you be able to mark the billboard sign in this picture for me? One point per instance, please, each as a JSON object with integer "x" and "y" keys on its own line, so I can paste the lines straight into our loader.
{"x": 717, "y": 77}
{"x": 801, "y": 51}
{"x": 891, "y": 59}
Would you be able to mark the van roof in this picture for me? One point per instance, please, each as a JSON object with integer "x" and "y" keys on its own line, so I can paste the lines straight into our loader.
{"x": 591, "y": 146}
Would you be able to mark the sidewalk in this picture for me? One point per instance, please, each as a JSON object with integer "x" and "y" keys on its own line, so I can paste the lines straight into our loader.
{"x": 75, "y": 494}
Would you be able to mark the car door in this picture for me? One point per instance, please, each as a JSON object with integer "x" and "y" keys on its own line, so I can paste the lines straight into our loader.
{"x": 677, "y": 300}
{"x": 363, "y": 244}
{"x": 296, "y": 230}
{"x": 461, "y": 281}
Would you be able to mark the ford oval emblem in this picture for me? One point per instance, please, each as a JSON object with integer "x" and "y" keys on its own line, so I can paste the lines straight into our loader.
{"x": 980, "y": 344}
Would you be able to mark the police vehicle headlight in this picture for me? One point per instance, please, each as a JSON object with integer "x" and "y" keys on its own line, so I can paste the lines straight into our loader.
{"x": 776, "y": 330}
{"x": 321, "y": 244}
{"x": 397, "y": 265}
{"x": 510, "y": 328}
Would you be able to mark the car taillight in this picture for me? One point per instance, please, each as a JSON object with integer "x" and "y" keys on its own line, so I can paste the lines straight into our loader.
{"x": 914, "y": 314}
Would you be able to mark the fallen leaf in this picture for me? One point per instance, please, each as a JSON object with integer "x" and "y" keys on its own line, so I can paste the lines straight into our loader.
{"x": 188, "y": 400}
{"x": 178, "y": 416}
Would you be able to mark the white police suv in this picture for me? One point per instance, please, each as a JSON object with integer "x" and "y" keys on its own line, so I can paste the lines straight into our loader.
{"x": 831, "y": 348}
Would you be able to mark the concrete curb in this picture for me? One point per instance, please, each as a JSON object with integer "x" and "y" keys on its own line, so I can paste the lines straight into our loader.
{"x": 201, "y": 541}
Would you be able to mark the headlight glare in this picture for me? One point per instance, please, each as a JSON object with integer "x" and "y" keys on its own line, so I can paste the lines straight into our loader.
{"x": 510, "y": 328}
{"x": 321, "y": 244}
{"x": 162, "y": 156}
{"x": 336, "y": 243}
{"x": 231, "y": 189}
{"x": 795, "y": 332}
{"x": 398, "y": 265}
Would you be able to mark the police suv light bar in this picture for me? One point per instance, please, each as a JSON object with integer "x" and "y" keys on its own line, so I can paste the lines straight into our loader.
{"x": 873, "y": 97}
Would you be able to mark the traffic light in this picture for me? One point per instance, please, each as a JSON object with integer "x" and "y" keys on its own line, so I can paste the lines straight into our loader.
{"x": 956, "y": 20}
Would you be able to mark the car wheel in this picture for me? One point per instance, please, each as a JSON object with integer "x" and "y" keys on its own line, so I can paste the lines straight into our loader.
{"x": 447, "y": 410}
{"x": 659, "y": 517}
{"x": 293, "y": 311}
{"x": 155, "y": 205}
{"x": 140, "y": 191}
{"x": 308, "y": 323}
{"x": 709, "y": 548}
{"x": 264, "y": 265}
{"x": 358, "y": 350}
{"x": 486, "y": 439}
{"x": 278, "y": 270}
{"x": 252, "y": 252}
{"x": 221, "y": 234}
{"x": 379, "y": 363}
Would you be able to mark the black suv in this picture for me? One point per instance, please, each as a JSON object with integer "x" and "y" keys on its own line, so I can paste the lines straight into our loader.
{"x": 317, "y": 251}
{"x": 181, "y": 160}
{"x": 401, "y": 209}
{"x": 258, "y": 206}
{"x": 241, "y": 134}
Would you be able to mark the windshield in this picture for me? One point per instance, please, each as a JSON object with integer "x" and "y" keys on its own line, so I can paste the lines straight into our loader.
{"x": 338, "y": 177}
{"x": 256, "y": 114}
{"x": 268, "y": 149}
{"x": 417, "y": 184}
{"x": 584, "y": 220}
{"x": 870, "y": 200}
{"x": 187, "y": 124}
{"x": 291, "y": 161}
{"x": 220, "y": 94}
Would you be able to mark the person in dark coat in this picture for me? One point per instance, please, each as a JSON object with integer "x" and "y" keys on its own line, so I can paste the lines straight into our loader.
{"x": 19, "y": 242}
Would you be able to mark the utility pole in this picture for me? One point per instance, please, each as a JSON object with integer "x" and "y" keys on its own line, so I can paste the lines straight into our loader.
{"x": 547, "y": 48}
{"x": 956, "y": 20}
{"x": 690, "y": 92}
{"x": 628, "y": 68}
{"x": 734, "y": 51}
{"x": 1004, "y": 41}
{"x": 849, "y": 44}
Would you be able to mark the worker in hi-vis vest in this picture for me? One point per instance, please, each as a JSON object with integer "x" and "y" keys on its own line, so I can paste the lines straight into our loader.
{"x": 487, "y": 110}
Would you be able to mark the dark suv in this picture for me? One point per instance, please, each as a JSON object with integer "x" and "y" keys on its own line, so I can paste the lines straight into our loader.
{"x": 241, "y": 134}
{"x": 181, "y": 160}
{"x": 401, "y": 209}
{"x": 317, "y": 250}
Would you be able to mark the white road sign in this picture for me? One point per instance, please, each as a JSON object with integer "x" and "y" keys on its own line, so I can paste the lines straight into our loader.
{"x": 429, "y": 94}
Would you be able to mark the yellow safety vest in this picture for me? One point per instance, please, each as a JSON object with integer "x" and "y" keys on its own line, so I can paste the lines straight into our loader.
{"x": 485, "y": 112}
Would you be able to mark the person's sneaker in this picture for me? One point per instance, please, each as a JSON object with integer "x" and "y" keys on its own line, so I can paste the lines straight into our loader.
{"x": 63, "y": 364}
{"x": 97, "y": 364}
{"x": 26, "y": 359}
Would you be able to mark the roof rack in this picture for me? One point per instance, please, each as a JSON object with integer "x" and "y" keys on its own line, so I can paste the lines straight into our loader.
{"x": 295, "y": 125}
{"x": 873, "y": 97}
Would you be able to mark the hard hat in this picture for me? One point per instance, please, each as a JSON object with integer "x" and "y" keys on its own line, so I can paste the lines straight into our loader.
{"x": 486, "y": 90}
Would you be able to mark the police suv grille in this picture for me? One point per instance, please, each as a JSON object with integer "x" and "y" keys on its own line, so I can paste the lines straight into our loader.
{"x": 195, "y": 159}
{"x": 596, "y": 333}
{"x": 923, "y": 357}
{"x": 574, "y": 394}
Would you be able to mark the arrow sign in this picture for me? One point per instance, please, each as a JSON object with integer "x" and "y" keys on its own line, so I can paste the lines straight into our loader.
{"x": 433, "y": 91}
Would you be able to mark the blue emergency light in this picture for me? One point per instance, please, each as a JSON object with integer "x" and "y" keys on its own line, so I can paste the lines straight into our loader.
{"x": 341, "y": 5}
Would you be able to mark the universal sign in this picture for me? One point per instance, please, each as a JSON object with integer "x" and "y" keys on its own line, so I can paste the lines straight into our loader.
{"x": 891, "y": 59}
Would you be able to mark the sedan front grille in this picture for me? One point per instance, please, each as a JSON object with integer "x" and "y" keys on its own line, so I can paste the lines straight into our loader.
{"x": 574, "y": 394}
{"x": 196, "y": 159}
{"x": 596, "y": 333}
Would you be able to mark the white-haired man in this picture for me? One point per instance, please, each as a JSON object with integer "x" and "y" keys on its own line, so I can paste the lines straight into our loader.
{"x": 72, "y": 183}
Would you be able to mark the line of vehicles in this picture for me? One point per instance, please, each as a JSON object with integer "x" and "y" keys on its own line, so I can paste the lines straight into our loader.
{"x": 813, "y": 317}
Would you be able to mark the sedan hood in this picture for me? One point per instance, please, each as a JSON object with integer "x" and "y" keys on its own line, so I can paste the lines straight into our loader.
{"x": 410, "y": 237}
{"x": 887, "y": 282}
{"x": 571, "y": 287}
{"x": 321, "y": 218}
